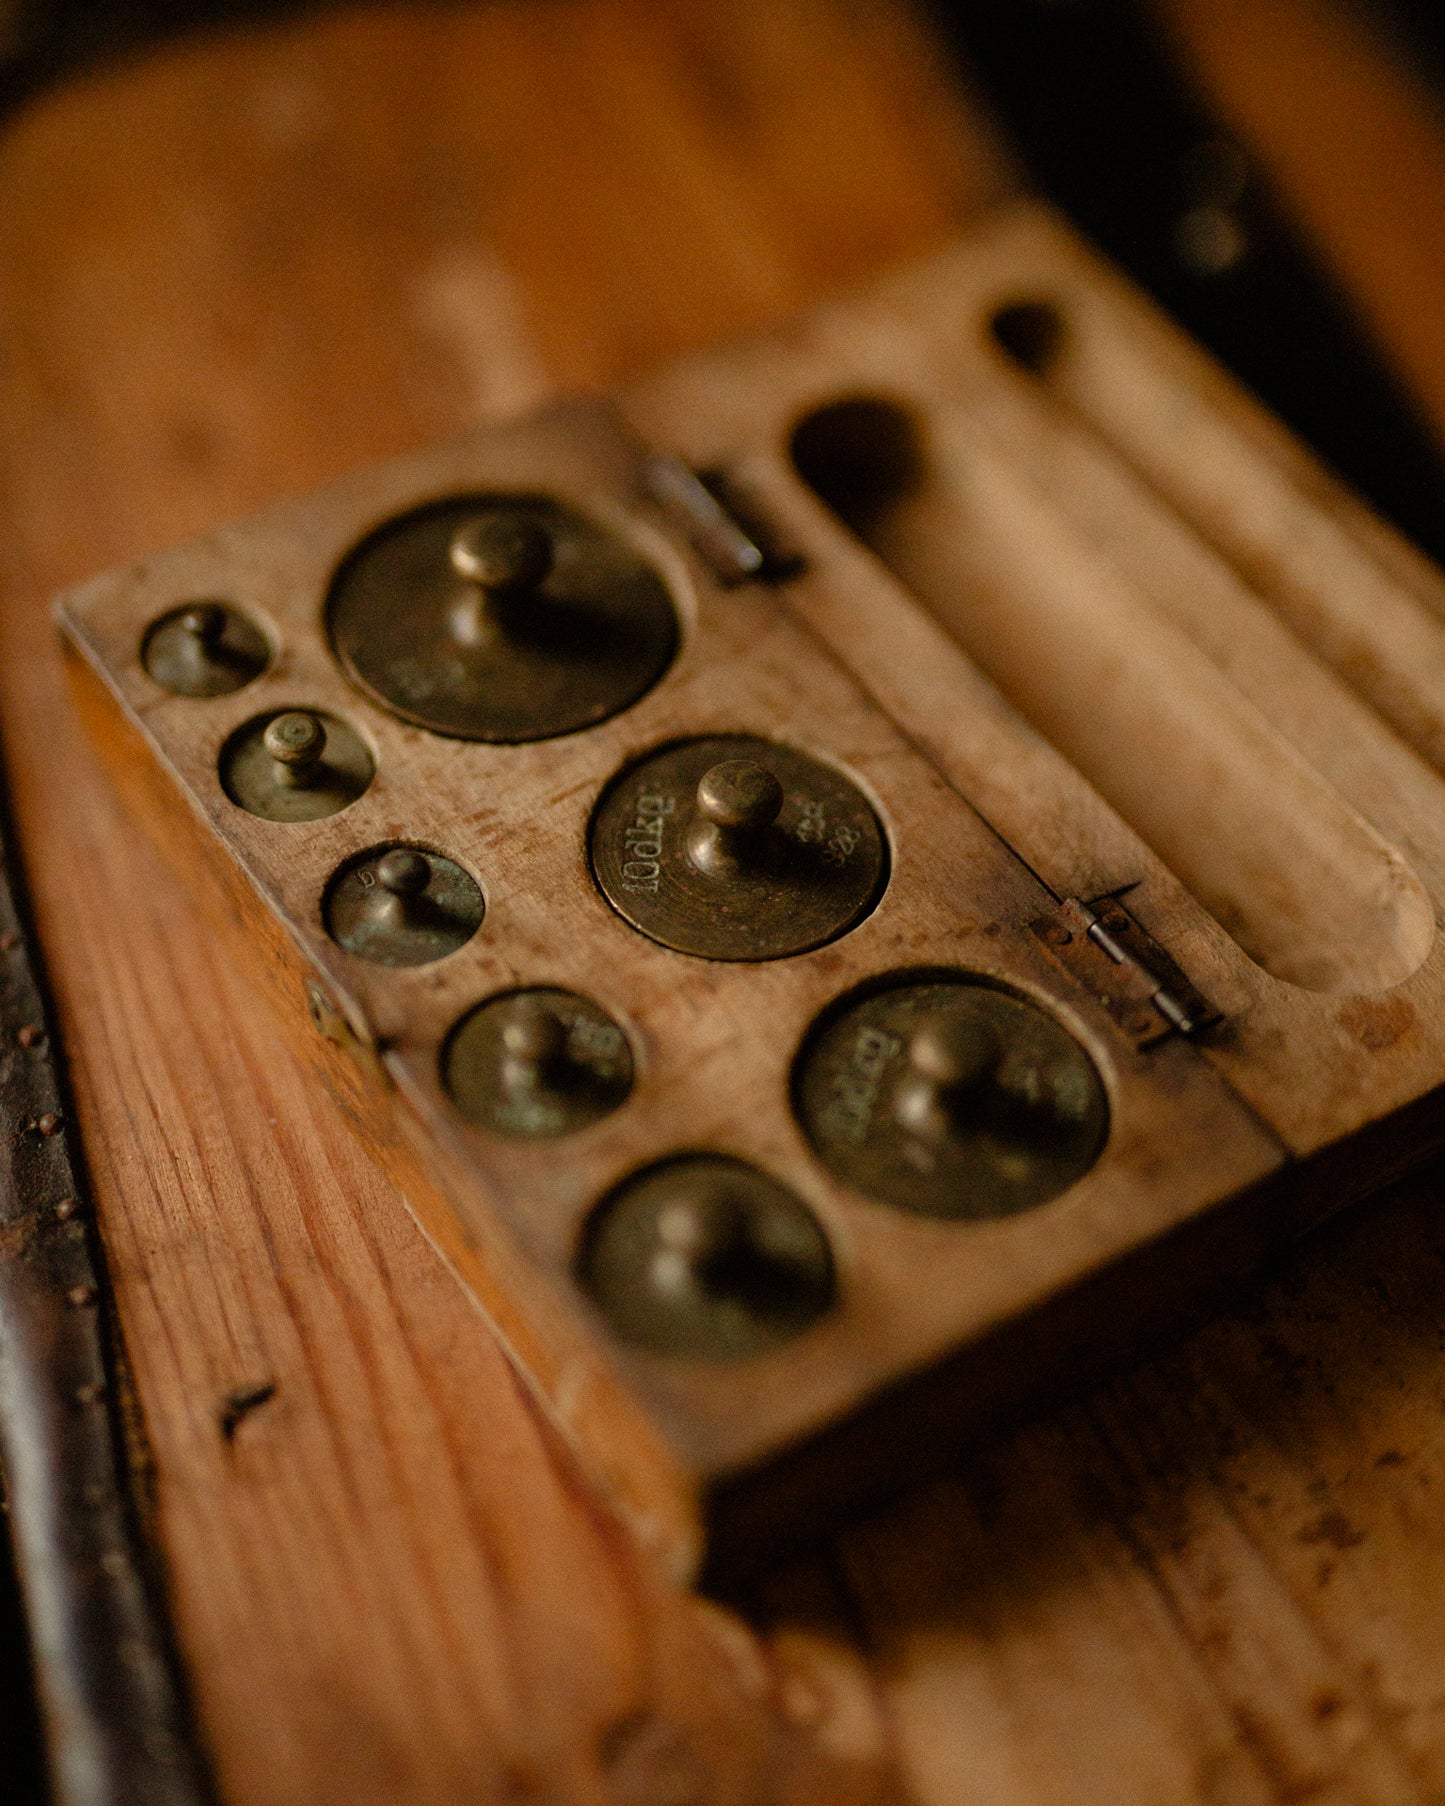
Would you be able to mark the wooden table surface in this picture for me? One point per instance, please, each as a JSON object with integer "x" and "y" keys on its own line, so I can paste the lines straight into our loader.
{"x": 248, "y": 263}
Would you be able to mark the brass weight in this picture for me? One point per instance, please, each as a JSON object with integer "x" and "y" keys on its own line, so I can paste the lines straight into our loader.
{"x": 498, "y": 618}
{"x": 705, "y": 1255}
{"x": 294, "y": 766}
{"x": 537, "y": 1062}
{"x": 950, "y": 1097}
{"x": 737, "y": 848}
{"x": 204, "y": 649}
{"x": 402, "y": 906}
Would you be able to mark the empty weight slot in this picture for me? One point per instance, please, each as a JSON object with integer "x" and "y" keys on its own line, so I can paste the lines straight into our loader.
{"x": 1302, "y": 883}
{"x": 1375, "y": 620}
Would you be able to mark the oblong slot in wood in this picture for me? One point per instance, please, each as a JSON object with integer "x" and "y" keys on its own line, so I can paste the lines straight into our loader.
{"x": 1374, "y": 619}
{"x": 1304, "y": 886}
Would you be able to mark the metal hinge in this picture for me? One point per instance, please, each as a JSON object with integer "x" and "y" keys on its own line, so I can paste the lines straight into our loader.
{"x": 1141, "y": 986}
{"x": 725, "y": 531}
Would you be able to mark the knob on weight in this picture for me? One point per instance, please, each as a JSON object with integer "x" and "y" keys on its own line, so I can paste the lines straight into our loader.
{"x": 504, "y": 559}
{"x": 952, "y": 1067}
{"x": 738, "y": 801}
{"x": 204, "y": 627}
{"x": 296, "y": 742}
{"x": 402, "y": 876}
{"x": 535, "y": 1056}
{"x": 502, "y": 552}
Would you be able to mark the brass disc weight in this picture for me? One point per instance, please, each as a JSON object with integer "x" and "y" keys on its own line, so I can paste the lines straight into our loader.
{"x": 706, "y": 1256}
{"x": 426, "y": 628}
{"x": 335, "y": 770}
{"x": 502, "y": 1086}
{"x": 950, "y": 1098}
{"x": 674, "y": 854}
{"x": 402, "y": 906}
{"x": 204, "y": 649}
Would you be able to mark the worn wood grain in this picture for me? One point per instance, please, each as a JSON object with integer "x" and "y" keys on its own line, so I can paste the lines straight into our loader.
{"x": 286, "y": 255}
{"x": 236, "y": 271}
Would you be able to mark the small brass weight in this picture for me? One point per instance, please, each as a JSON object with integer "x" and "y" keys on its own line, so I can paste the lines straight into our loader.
{"x": 706, "y": 1256}
{"x": 296, "y": 766}
{"x": 402, "y": 906}
{"x": 205, "y": 649}
{"x": 537, "y": 1063}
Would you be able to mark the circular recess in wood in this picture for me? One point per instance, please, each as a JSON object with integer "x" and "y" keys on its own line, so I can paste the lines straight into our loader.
{"x": 1030, "y": 332}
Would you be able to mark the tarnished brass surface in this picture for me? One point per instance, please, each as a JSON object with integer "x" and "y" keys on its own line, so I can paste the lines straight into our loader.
{"x": 280, "y": 767}
{"x": 737, "y": 848}
{"x": 204, "y": 649}
{"x": 537, "y": 1062}
{"x": 707, "y": 1256}
{"x": 500, "y": 618}
{"x": 951, "y": 1098}
{"x": 402, "y": 906}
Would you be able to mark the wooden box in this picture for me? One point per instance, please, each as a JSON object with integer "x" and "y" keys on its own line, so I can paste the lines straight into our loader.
{"x": 1152, "y": 715}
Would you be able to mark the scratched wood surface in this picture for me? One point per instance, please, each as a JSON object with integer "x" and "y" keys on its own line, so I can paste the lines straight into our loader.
{"x": 236, "y": 270}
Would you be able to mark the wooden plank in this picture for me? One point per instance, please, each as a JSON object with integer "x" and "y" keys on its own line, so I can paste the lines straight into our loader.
{"x": 232, "y": 273}
{"x": 1218, "y": 1580}
{"x": 285, "y": 254}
